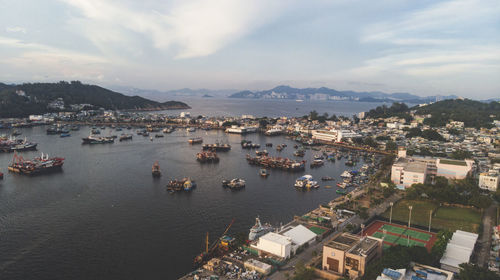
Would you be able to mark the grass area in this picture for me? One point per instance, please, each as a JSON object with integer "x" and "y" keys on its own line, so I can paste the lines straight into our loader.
{"x": 455, "y": 218}
{"x": 317, "y": 230}
{"x": 419, "y": 213}
{"x": 445, "y": 217}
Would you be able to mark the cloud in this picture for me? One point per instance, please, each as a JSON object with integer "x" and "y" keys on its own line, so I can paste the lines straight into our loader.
{"x": 191, "y": 28}
{"x": 15, "y": 29}
{"x": 54, "y": 62}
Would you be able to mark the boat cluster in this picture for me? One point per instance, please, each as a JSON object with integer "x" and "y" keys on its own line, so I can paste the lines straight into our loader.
{"x": 218, "y": 147}
{"x": 306, "y": 182}
{"x": 207, "y": 157}
{"x": 13, "y": 145}
{"x": 285, "y": 164}
{"x": 185, "y": 184}
{"x": 247, "y": 144}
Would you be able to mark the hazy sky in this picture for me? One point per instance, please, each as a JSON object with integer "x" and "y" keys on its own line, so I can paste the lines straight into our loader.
{"x": 424, "y": 47}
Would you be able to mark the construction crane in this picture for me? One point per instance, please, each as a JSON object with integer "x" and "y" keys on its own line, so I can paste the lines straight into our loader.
{"x": 210, "y": 250}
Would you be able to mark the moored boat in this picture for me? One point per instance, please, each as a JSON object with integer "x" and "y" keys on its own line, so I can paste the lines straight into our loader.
{"x": 263, "y": 172}
{"x": 259, "y": 230}
{"x": 124, "y": 137}
{"x": 156, "y": 169}
{"x": 38, "y": 165}
{"x": 92, "y": 139}
{"x": 195, "y": 140}
{"x": 234, "y": 184}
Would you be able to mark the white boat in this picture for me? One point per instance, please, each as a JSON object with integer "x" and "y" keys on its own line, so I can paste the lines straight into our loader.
{"x": 303, "y": 181}
{"x": 191, "y": 129}
{"x": 274, "y": 131}
{"x": 259, "y": 230}
{"x": 346, "y": 174}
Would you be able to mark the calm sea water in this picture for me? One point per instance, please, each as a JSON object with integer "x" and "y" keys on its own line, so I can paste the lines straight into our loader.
{"x": 105, "y": 217}
{"x": 271, "y": 107}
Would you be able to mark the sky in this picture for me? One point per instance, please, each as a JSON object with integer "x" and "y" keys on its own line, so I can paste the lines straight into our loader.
{"x": 422, "y": 47}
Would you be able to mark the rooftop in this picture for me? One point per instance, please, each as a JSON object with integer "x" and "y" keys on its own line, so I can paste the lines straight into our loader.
{"x": 453, "y": 162}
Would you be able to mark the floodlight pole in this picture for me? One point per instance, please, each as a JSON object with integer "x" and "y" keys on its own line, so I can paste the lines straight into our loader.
{"x": 390, "y": 215}
{"x": 430, "y": 220}
{"x": 409, "y": 217}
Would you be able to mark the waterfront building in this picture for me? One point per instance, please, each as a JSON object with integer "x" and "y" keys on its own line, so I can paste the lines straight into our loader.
{"x": 348, "y": 254}
{"x": 274, "y": 244}
{"x": 489, "y": 180}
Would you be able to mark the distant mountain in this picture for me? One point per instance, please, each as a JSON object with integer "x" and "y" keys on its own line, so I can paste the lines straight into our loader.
{"x": 159, "y": 95}
{"x": 38, "y": 98}
{"x": 324, "y": 93}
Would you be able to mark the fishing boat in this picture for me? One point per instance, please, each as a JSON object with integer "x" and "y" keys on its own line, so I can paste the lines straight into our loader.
{"x": 124, "y": 137}
{"x": 168, "y": 130}
{"x": 263, "y": 172}
{"x": 261, "y": 153}
{"x": 195, "y": 140}
{"x": 247, "y": 144}
{"x": 92, "y": 139}
{"x": 269, "y": 144}
{"x": 342, "y": 185}
{"x": 316, "y": 163}
{"x": 62, "y": 135}
{"x": 1, "y": 175}
{"x": 159, "y": 135}
{"x": 95, "y": 131}
{"x": 191, "y": 129}
{"x": 156, "y": 169}
{"x": 327, "y": 178}
{"x": 38, "y": 165}
{"x": 299, "y": 153}
{"x": 342, "y": 192}
{"x": 277, "y": 163}
{"x": 259, "y": 230}
{"x": 234, "y": 184}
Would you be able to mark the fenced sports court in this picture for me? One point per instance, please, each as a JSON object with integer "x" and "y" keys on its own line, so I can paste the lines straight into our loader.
{"x": 394, "y": 234}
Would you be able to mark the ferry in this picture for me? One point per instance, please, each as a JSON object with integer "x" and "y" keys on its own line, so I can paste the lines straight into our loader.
{"x": 259, "y": 230}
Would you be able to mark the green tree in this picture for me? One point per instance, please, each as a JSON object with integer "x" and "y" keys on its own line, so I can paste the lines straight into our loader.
{"x": 470, "y": 271}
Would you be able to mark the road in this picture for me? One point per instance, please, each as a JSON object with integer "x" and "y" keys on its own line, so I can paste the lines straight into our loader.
{"x": 485, "y": 236}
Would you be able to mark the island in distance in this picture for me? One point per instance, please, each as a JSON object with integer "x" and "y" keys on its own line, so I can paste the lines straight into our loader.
{"x": 324, "y": 93}
{"x": 40, "y": 98}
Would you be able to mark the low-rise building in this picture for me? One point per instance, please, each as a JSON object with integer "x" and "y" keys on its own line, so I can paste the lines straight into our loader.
{"x": 489, "y": 180}
{"x": 347, "y": 254}
{"x": 417, "y": 271}
{"x": 406, "y": 172}
{"x": 454, "y": 169}
{"x": 274, "y": 244}
{"x": 458, "y": 250}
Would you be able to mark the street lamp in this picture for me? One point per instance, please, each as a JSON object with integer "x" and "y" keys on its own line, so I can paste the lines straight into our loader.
{"x": 409, "y": 217}
{"x": 390, "y": 215}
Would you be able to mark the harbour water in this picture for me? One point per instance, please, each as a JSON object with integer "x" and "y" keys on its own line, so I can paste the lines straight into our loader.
{"x": 105, "y": 217}
{"x": 272, "y": 107}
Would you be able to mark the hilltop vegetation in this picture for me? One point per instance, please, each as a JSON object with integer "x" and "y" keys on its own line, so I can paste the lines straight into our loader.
{"x": 471, "y": 113}
{"x": 39, "y": 95}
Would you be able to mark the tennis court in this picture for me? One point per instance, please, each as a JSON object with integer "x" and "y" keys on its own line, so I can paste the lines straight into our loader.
{"x": 396, "y": 234}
